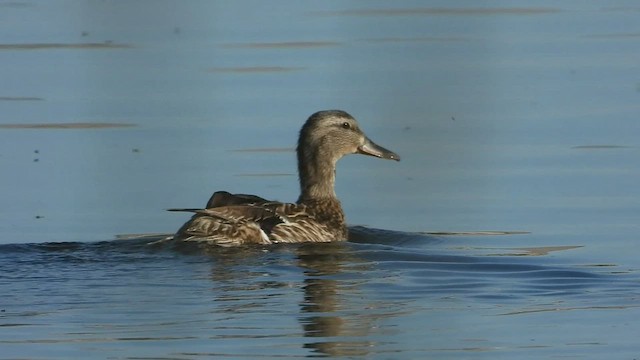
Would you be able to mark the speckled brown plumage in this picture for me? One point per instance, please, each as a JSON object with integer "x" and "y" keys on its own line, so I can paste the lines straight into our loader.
{"x": 317, "y": 216}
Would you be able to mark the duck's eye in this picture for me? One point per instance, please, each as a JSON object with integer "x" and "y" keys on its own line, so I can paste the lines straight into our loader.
{"x": 346, "y": 125}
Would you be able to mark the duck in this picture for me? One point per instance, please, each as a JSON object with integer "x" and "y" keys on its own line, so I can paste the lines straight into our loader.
{"x": 317, "y": 216}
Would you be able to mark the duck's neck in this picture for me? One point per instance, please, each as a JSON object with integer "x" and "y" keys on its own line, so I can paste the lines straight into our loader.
{"x": 317, "y": 176}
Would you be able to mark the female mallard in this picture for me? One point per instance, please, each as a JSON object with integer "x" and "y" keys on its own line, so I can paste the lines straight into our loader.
{"x": 237, "y": 219}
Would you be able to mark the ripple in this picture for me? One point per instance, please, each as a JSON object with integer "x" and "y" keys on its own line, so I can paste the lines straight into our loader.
{"x": 442, "y": 11}
{"x": 283, "y": 45}
{"x": 255, "y": 69}
{"x": 80, "y": 125}
{"x": 630, "y": 36}
{"x": 56, "y": 46}
{"x": 264, "y": 174}
{"x": 266, "y": 150}
{"x": 600, "y": 147}
{"x": 20, "y": 98}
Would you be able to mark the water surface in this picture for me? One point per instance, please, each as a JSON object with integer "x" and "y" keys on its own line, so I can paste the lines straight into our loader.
{"x": 384, "y": 295}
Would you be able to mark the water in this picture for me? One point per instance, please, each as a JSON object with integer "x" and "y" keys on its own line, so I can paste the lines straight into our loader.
{"x": 391, "y": 296}
{"x": 517, "y": 127}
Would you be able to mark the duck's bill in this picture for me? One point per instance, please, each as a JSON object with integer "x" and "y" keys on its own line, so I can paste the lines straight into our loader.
{"x": 373, "y": 149}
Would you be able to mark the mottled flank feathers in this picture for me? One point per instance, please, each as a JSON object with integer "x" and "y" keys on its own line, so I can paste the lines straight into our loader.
{"x": 253, "y": 220}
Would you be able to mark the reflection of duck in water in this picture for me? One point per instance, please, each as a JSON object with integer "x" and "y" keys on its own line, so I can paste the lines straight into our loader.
{"x": 317, "y": 216}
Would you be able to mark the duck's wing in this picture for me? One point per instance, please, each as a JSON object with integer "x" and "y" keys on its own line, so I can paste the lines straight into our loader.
{"x": 240, "y": 213}
{"x": 235, "y": 224}
{"x": 224, "y": 198}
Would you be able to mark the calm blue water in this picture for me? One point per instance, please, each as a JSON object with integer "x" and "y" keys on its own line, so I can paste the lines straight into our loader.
{"x": 508, "y": 117}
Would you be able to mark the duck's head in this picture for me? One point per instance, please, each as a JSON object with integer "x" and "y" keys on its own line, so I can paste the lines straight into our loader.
{"x": 331, "y": 134}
